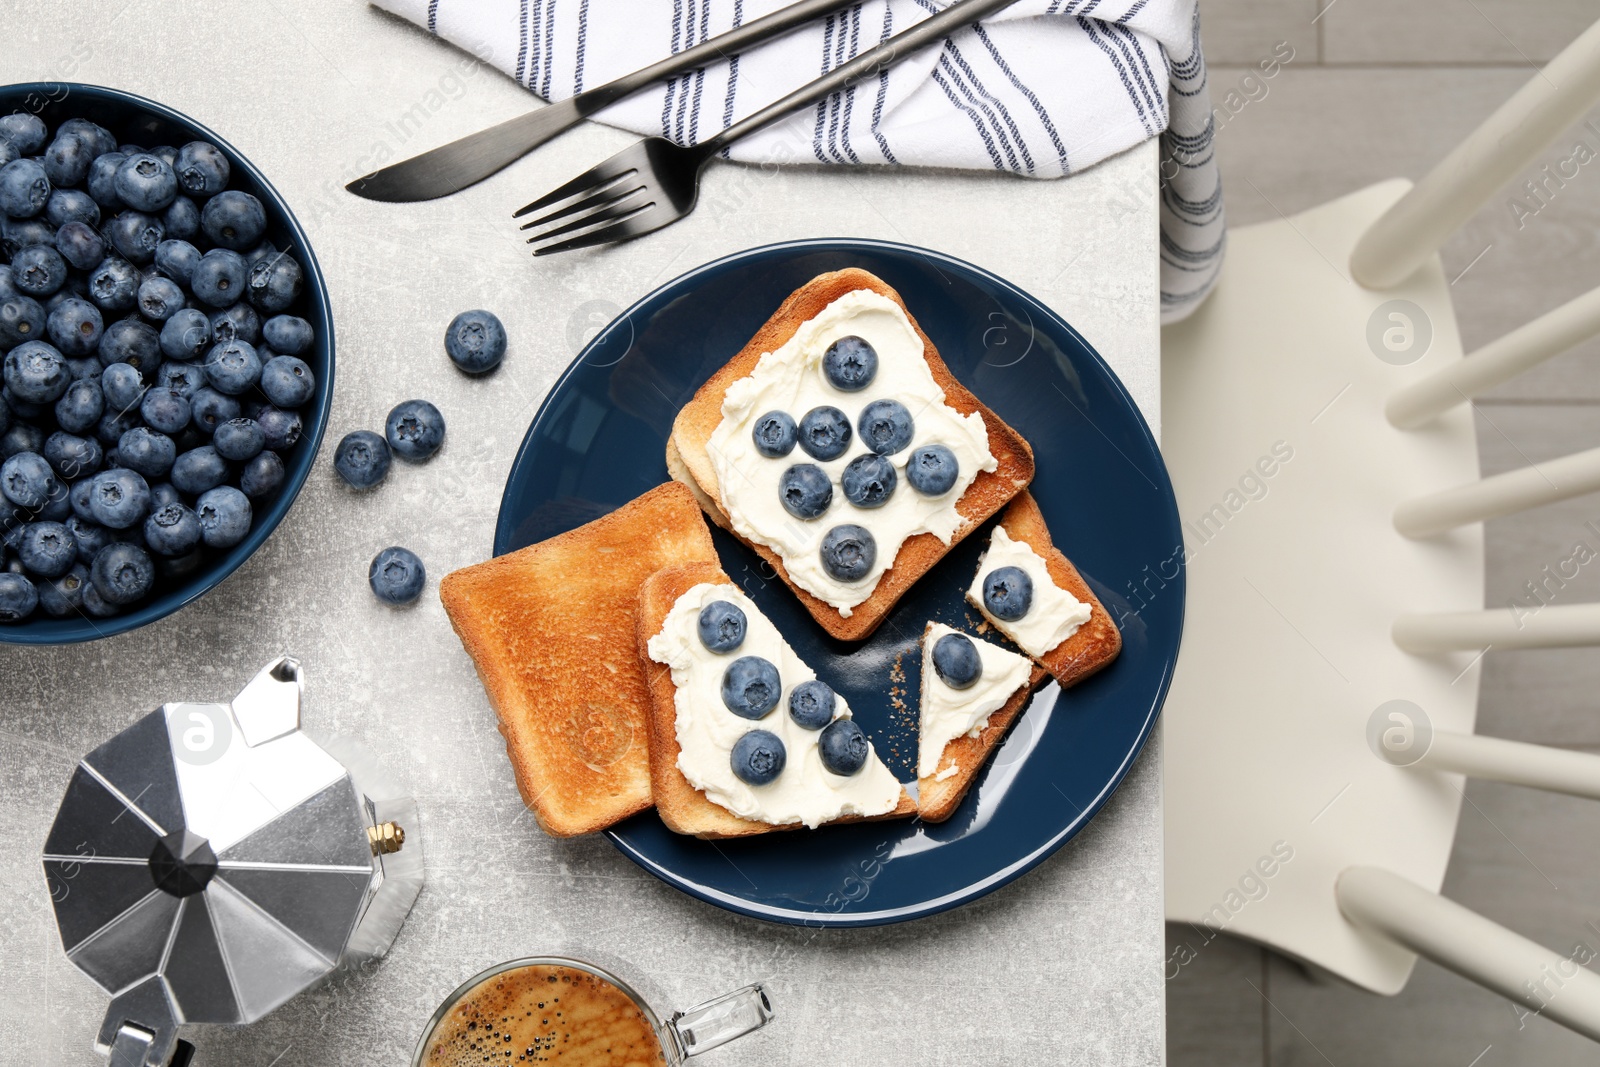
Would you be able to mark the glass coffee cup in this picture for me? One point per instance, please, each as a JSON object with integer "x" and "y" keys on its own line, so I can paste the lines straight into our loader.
{"x": 561, "y": 1010}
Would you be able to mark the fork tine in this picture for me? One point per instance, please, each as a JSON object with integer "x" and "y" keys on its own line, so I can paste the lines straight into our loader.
{"x": 631, "y": 225}
{"x": 598, "y": 200}
{"x": 600, "y": 174}
{"x": 616, "y": 211}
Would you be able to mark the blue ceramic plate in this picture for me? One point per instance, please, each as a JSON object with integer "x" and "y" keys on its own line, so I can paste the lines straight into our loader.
{"x": 597, "y": 443}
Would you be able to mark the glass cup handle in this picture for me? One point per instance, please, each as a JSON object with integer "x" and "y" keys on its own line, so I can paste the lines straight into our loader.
{"x": 716, "y": 1022}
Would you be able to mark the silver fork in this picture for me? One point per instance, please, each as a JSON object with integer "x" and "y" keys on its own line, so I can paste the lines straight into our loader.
{"x": 655, "y": 182}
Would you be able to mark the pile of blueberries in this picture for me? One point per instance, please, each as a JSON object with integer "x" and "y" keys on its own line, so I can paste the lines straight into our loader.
{"x": 152, "y": 378}
{"x": 751, "y": 689}
{"x": 868, "y": 481}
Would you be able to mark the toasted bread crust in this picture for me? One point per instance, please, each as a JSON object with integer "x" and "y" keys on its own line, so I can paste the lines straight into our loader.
{"x": 988, "y": 493}
{"x": 936, "y": 800}
{"x": 682, "y": 807}
{"x": 550, "y": 629}
{"x": 1095, "y": 643}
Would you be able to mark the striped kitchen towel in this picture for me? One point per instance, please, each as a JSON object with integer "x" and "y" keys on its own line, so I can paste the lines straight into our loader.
{"x": 1042, "y": 89}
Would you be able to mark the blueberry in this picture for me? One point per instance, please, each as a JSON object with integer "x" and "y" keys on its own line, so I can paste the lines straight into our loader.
{"x": 758, "y": 757}
{"x": 956, "y": 661}
{"x": 264, "y": 250}
{"x": 72, "y": 205}
{"x": 886, "y": 426}
{"x": 27, "y": 480}
{"x": 18, "y": 597}
{"x": 287, "y": 381}
{"x": 147, "y": 452}
{"x": 26, "y": 133}
{"x": 172, "y": 530}
{"x": 67, "y": 159}
{"x": 397, "y": 576}
{"x": 202, "y": 169}
{"x": 238, "y": 440}
{"x": 280, "y": 428}
{"x": 112, "y": 425}
{"x": 721, "y": 626}
{"x": 932, "y": 470}
{"x": 182, "y": 567}
{"x": 73, "y": 457}
{"x": 362, "y": 459}
{"x": 80, "y": 245}
{"x": 185, "y": 336}
{"x": 414, "y": 429}
{"x": 47, "y": 549}
{"x": 751, "y": 687}
{"x": 238, "y": 323}
{"x": 8, "y": 152}
{"x": 289, "y": 335}
{"x": 232, "y": 367}
{"x": 824, "y": 433}
{"x": 89, "y": 535}
{"x": 850, "y": 364}
{"x": 35, "y": 373}
{"x": 164, "y": 493}
{"x": 20, "y": 438}
{"x": 211, "y": 409}
{"x": 848, "y": 553}
{"x": 24, "y": 189}
{"x": 233, "y": 220}
{"x": 274, "y": 283}
{"x": 62, "y": 597}
{"x": 97, "y": 138}
{"x": 160, "y": 299}
{"x": 135, "y": 235}
{"x": 812, "y": 704}
{"x": 75, "y": 327}
{"x": 475, "y": 341}
{"x": 20, "y": 408}
{"x": 165, "y": 409}
{"x": 39, "y": 270}
{"x": 1008, "y": 593}
{"x": 774, "y": 434}
{"x": 22, "y": 318}
{"x": 224, "y": 516}
{"x": 199, "y": 470}
{"x": 78, "y": 497}
{"x": 119, "y": 498}
{"x": 114, "y": 285}
{"x": 805, "y": 491}
{"x": 261, "y": 475}
{"x": 135, "y": 343}
{"x": 177, "y": 258}
{"x": 868, "y": 481}
{"x": 181, "y": 220}
{"x": 122, "y": 573}
{"x": 123, "y": 386}
{"x": 145, "y": 183}
{"x": 17, "y": 234}
{"x": 93, "y": 604}
{"x": 218, "y": 279}
{"x": 843, "y": 748}
{"x": 102, "y": 180}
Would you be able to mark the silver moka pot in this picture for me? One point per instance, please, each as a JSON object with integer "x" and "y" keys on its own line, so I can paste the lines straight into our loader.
{"x": 211, "y": 861}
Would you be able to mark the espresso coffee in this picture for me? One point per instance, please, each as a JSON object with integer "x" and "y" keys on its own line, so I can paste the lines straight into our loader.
{"x": 544, "y": 1014}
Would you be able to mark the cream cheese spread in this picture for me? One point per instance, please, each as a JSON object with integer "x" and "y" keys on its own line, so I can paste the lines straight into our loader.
{"x": 1054, "y": 615}
{"x": 805, "y": 792}
{"x": 792, "y": 379}
{"x": 949, "y": 713}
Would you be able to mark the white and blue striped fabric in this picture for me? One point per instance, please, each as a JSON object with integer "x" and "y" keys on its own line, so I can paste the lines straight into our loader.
{"x": 1043, "y": 89}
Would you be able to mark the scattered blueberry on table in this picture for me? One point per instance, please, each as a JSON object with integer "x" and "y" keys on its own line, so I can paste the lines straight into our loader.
{"x": 414, "y": 430}
{"x": 475, "y": 341}
{"x": 152, "y": 369}
{"x": 362, "y": 459}
{"x": 397, "y": 576}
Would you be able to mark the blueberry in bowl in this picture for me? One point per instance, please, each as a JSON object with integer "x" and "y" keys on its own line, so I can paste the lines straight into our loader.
{"x": 171, "y": 405}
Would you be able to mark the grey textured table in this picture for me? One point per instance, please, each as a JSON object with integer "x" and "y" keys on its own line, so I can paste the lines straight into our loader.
{"x": 1062, "y": 966}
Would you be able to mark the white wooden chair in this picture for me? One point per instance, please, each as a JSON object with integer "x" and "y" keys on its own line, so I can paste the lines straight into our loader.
{"x": 1317, "y": 426}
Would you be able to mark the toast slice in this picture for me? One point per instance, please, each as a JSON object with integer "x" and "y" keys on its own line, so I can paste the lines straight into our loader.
{"x": 1097, "y": 641}
{"x": 941, "y": 791}
{"x": 682, "y": 807}
{"x": 690, "y": 461}
{"x": 550, "y": 629}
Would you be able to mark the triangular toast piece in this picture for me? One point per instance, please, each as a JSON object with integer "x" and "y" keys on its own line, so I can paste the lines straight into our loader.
{"x": 550, "y": 629}
{"x": 1093, "y": 644}
{"x": 942, "y": 783}
{"x": 689, "y": 459}
{"x": 683, "y": 807}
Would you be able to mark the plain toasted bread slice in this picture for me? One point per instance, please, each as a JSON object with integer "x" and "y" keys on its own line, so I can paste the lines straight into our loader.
{"x": 937, "y": 799}
{"x": 550, "y": 629}
{"x": 682, "y": 807}
{"x": 1092, "y": 645}
{"x": 689, "y": 461}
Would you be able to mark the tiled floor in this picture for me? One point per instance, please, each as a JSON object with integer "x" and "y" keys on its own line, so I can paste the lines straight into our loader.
{"x": 1377, "y": 89}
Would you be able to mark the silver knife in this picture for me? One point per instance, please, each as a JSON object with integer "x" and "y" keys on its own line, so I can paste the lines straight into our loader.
{"x": 452, "y": 167}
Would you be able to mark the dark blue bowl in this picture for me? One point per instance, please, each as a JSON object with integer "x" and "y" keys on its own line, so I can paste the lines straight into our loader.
{"x": 139, "y": 121}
